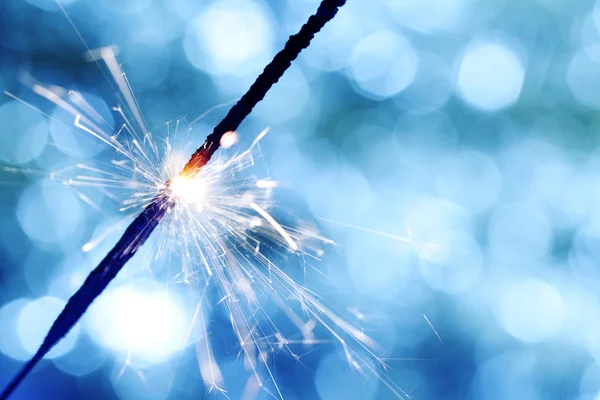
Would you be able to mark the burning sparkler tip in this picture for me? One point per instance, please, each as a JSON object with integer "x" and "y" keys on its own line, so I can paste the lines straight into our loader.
{"x": 189, "y": 190}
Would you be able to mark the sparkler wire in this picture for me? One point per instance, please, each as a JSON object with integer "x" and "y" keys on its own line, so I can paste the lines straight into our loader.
{"x": 141, "y": 228}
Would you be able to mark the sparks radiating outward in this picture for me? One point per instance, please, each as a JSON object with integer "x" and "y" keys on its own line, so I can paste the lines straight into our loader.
{"x": 217, "y": 216}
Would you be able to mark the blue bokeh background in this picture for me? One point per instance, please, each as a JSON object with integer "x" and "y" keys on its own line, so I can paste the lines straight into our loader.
{"x": 453, "y": 142}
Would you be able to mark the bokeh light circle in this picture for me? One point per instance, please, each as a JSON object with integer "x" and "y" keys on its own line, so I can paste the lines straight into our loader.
{"x": 532, "y": 310}
{"x": 51, "y": 214}
{"x": 230, "y": 37}
{"x": 139, "y": 318}
{"x": 470, "y": 179}
{"x": 384, "y": 64}
{"x": 10, "y": 343}
{"x": 451, "y": 261}
{"x": 490, "y": 76}
{"x": 25, "y": 133}
{"x": 379, "y": 268}
{"x": 583, "y": 69}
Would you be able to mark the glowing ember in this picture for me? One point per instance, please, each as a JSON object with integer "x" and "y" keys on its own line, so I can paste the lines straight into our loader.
{"x": 228, "y": 139}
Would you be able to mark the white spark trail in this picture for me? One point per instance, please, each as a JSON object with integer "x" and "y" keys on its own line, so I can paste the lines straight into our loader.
{"x": 275, "y": 225}
{"x": 119, "y": 76}
{"x": 434, "y": 331}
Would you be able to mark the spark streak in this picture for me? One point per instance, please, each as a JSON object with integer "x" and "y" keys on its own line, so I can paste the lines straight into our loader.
{"x": 434, "y": 331}
{"x": 275, "y": 225}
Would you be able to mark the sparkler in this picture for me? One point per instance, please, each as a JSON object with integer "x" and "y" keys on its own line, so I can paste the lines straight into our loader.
{"x": 221, "y": 219}
{"x": 180, "y": 187}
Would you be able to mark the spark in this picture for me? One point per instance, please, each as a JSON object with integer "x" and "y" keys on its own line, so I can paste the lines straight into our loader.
{"x": 266, "y": 184}
{"x": 408, "y": 239}
{"x": 275, "y": 225}
{"x": 434, "y": 331}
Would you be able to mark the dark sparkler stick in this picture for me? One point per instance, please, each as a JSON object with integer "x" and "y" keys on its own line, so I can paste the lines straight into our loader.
{"x": 141, "y": 228}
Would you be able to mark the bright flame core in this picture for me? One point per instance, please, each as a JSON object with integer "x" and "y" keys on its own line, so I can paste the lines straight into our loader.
{"x": 190, "y": 190}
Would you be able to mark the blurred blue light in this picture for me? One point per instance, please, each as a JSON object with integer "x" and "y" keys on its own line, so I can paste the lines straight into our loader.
{"x": 82, "y": 360}
{"x": 151, "y": 383}
{"x": 335, "y": 379}
{"x": 583, "y": 256}
{"x": 333, "y": 52}
{"x": 25, "y": 133}
{"x": 139, "y": 318}
{"x": 425, "y": 141}
{"x": 489, "y": 76}
{"x": 384, "y": 64}
{"x": 78, "y": 143}
{"x": 34, "y": 322}
{"x": 451, "y": 261}
{"x": 286, "y": 100}
{"x": 127, "y": 9}
{"x": 471, "y": 180}
{"x": 50, "y": 5}
{"x": 379, "y": 268}
{"x": 154, "y": 27}
{"x": 38, "y": 277}
{"x": 532, "y": 310}
{"x": 584, "y": 68}
{"x": 147, "y": 65}
{"x": 519, "y": 233}
{"x": 431, "y": 88}
{"x": 589, "y": 388}
{"x": 352, "y": 193}
{"x": 524, "y": 169}
{"x": 507, "y": 376}
{"x": 430, "y": 16}
{"x": 51, "y": 215}
{"x": 10, "y": 343}
{"x": 186, "y": 9}
{"x": 427, "y": 216}
{"x": 230, "y": 37}
{"x": 379, "y": 326}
